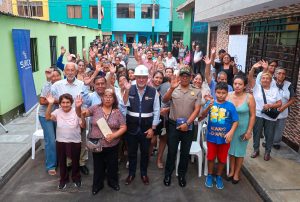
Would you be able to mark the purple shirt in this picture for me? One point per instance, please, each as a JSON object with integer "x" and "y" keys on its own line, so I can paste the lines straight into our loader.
{"x": 114, "y": 121}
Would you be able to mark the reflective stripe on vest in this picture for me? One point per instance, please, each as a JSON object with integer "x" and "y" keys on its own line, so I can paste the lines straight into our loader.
{"x": 143, "y": 115}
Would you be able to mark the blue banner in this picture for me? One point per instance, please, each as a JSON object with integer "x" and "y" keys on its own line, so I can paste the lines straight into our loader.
{"x": 21, "y": 40}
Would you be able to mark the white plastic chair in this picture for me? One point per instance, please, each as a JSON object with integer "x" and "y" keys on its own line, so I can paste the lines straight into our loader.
{"x": 195, "y": 150}
{"x": 38, "y": 134}
{"x": 204, "y": 146}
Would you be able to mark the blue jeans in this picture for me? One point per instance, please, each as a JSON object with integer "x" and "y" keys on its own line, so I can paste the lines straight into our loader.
{"x": 50, "y": 144}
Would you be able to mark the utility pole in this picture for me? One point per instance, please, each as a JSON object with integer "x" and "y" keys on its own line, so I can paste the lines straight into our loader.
{"x": 170, "y": 26}
{"x": 99, "y": 14}
{"x": 153, "y": 20}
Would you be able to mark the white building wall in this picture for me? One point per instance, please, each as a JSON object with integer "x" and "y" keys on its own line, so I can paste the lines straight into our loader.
{"x": 207, "y": 11}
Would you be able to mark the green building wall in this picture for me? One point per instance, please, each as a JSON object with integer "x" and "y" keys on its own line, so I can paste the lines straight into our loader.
{"x": 11, "y": 100}
{"x": 178, "y": 24}
{"x": 187, "y": 27}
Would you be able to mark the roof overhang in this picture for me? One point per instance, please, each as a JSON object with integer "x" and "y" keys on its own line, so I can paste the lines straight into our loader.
{"x": 188, "y": 5}
{"x": 235, "y": 8}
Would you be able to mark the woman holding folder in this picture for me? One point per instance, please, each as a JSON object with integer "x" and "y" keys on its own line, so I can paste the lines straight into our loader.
{"x": 108, "y": 125}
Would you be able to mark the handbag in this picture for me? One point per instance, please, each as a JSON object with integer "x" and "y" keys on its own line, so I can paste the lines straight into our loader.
{"x": 94, "y": 145}
{"x": 271, "y": 112}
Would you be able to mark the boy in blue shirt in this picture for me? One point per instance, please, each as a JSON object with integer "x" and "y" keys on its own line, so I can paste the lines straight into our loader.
{"x": 222, "y": 122}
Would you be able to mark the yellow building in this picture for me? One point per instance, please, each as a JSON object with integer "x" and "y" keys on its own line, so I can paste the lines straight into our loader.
{"x": 31, "y": 8}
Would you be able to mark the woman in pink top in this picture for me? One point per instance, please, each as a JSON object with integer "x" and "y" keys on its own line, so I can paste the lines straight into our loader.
{"x": 68, "y": 138}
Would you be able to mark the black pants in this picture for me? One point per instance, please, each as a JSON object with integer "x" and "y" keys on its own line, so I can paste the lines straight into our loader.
{"x": 107, "y": 159}
{"x": 133, "y": 141}
{"x": 174, "y": 137}
{"x": 74, "y": 152}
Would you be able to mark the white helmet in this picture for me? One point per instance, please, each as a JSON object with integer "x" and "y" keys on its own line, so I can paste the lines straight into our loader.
{"x": 141, "y": 70}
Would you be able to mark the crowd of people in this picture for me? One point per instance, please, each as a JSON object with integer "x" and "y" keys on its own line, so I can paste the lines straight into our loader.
{"x": 104, "y": 107}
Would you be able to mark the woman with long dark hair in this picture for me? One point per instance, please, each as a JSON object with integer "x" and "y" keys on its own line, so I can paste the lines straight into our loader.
{"x": 245, "y": 107}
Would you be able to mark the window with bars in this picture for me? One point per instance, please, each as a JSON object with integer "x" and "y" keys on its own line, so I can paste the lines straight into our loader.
{"x": 34, "y": 55}
{"x": 275, "y": 39}
{"x": 72, "y": 45}
{"x": 30, "y": 9}
{"x": 147, "y": 11}
{"x": 125, "y": 11}
{"x": 74, "y": 11}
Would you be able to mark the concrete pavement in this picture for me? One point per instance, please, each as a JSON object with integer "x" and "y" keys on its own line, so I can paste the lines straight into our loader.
{"x": 15, "y": 146}
{"x": 32, "y": 183}
{"x": 277, "y": 179}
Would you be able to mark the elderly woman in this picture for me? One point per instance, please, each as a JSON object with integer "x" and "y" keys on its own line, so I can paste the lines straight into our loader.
{"x": 288, "y": 98}
{"x": 263, "y": 121}
{"x": 107, "y": 159}
{"x": 48, "y": 126}
{"x": 245, "y": 107}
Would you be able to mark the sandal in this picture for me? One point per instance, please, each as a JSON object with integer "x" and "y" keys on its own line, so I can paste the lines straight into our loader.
{"x": 229, "y": 178}
{"x": 160, "y": 165}
{"x": 52, "y": 172}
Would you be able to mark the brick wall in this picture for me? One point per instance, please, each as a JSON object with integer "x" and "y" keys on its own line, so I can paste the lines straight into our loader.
{"x": 6, "y": 6}
{"x": 292, "y": 129}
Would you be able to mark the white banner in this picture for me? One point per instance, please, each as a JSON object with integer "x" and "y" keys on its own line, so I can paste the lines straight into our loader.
{"x": 237, "y": 48}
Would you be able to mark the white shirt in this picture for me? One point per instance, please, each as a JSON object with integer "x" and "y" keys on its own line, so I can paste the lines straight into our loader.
{"x": 171, "y": 62}
{"x": 197, "y": 56}
{"x": 272, "y": 96}
{"x": 122, "y": 106}
{"x": 63, "y": 86}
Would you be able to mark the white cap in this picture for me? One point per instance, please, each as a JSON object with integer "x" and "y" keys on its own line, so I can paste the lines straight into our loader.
{"x": 141, "y": 70}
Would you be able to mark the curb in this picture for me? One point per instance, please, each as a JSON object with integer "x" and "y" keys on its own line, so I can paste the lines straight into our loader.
{"x": 258, "y": 188}
{"x": 11, "y": 172}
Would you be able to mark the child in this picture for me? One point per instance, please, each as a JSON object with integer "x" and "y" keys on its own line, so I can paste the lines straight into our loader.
{"x": 68, "y": 138}
{"x": 222, "y": 122}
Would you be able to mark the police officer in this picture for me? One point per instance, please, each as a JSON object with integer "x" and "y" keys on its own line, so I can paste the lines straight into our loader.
{"x": 143, "y": 110}
{"x": 184, "y": 107}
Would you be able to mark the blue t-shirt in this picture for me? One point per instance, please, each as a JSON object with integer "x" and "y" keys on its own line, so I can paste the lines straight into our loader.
{"x": 212, "y": 87}
{"x": 220, "y": 120}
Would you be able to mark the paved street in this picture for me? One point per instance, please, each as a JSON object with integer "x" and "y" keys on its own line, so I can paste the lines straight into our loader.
{"x": 32, "y": 183}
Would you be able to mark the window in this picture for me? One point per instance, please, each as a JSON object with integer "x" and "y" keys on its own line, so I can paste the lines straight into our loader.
{"x": 34, "y": 55}
{"x": 30, "y": 9}
{"x": 74, "y": 11}
{"x": 37, "y": 8}
{"x": 180, "y": 15}
{"x": 275, "y": 39}
{"x": 213, "y": 37}
{"x": 147, "y": 11}
{"x": 93, "y": 12}
{"x": 125, "y": 11}
{"x": 83, "y": 42}
{"x": 235, "y": 29}
{"x": 72, "y": 45}
{"x": 53, "y": 52}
